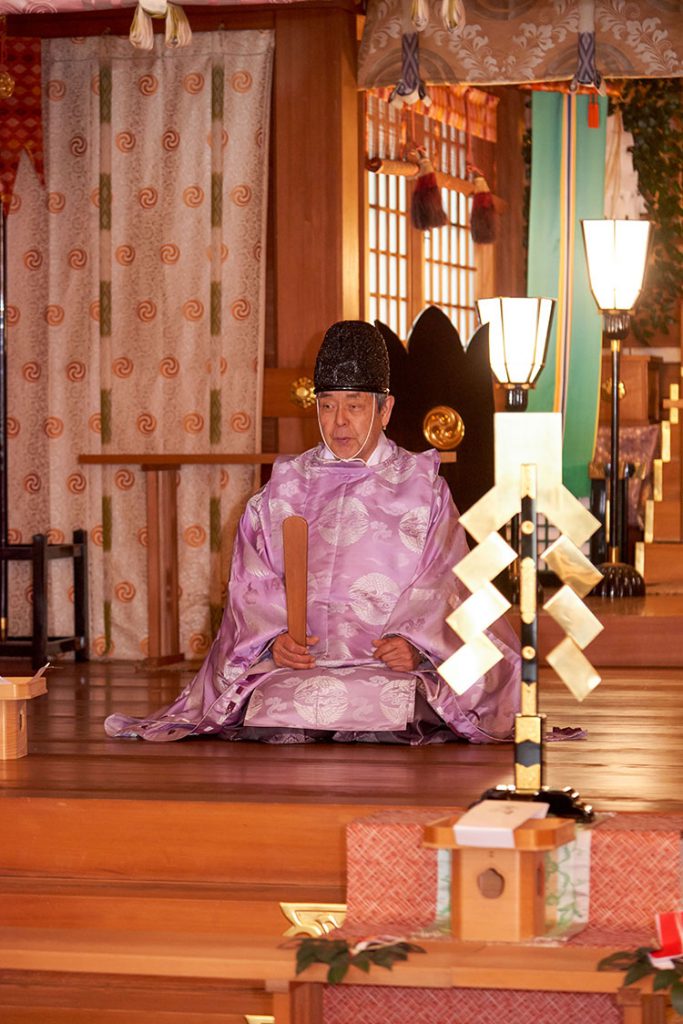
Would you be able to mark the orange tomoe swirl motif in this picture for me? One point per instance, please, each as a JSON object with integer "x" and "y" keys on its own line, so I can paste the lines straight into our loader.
{"x": 193, "y": 423}
{"x": 193, "y": 83}
{"x": 225, "y": 479}
{"x": 146, "y": 311}
{"x": 54, "y": 315}
{"x": 14, "y": 536}
{"x": 32, "y": 483}
{"x": 31, "y": 371}
{"x": 169, "y": 253}
{"x": 95, "y": 423}
{"x": 259, "y": 137}
{"x": 70, "y": 594}
{"x": 78, "y": 145}
{"x": 241, "y": 195}
{"x": 241, "y": 81}
{"x": 193, "y": 196}
{"x": 53, "y": 427}
{"x": 225, "y": 139}
{"x": 76, "y": 483}
{"x": 125, "y": 591}
{"x": 95, "y": 84}
{"x": 13, "y": 426}
{"x": 13, "y": 315}
{"x": 95, "y": 197}
{"x": 199, "y": 643}
{"x": 15, "y": 203}
{"x": 241, "y": 309}
{"x": 56, "y": 201}
{"x": 142, "y": 536}
{"x": 225, "y": 252}
{"x": 258, "y": 251}
{"x": 169, "y": 367}
{"x": 144, "y": 646}
{"x": 97, "y": 535}
{"x": 170, "y": 140}
{"x": 77, "y": 258}
{"x": 100, "y": 646}
{"x": 56, "y": 89}
{"x": 94, "y": 310}
{"x": 240, "y": 422}
{"x": 75, "y": 371}
{"x": 124, "y": 479}
{"x": 148, "y": 197}
{"x": 124, "y": 255}
{"x": 146, "y": 423}
{"x": 148, "y": 85}
{"x": 55, "y": 536}
{"x": 28, "y": 594}
{"x": 33, "y": 259}
{"x": 193, "y": 309}
{"x": 194, "y": 536}
{"x": 125, "y": 142}
{"x": 122, "y": 367}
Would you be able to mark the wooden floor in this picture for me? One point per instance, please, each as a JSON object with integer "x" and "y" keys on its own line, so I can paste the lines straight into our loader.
{"x": 630, "y": 760}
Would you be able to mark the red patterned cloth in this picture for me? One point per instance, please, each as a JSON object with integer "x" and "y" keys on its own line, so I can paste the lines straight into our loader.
{"x": 347, "y": 1004}
{"x": 21, "y": 125}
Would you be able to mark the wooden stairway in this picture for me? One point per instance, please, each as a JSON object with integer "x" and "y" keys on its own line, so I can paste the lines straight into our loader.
{"x": 659, "y": 557}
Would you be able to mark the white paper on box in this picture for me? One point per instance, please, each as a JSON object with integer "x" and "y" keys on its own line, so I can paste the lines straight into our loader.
{"x": 492, "y": 823}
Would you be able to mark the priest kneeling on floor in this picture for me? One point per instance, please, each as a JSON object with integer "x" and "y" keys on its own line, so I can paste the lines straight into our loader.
{"x": 383, "y": 537}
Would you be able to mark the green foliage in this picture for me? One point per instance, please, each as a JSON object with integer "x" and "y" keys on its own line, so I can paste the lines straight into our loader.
{"x": 339, "y": 956}
{"x": 637, "y": 965}
{"x": 652, "y": 110}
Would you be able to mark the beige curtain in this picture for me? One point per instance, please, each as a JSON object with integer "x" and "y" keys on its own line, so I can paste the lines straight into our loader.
{"x": 136, "y": 293}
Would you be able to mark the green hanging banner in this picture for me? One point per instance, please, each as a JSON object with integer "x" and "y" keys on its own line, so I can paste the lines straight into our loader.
{"x": 567, "y": 186}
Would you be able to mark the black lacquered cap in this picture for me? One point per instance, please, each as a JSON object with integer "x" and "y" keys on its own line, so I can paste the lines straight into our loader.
{"x": 352, "y": 357}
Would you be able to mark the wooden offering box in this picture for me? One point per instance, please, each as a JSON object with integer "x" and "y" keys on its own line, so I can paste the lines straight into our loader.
{"x": 14, "y": 692}
{"x": 498, "y": 895}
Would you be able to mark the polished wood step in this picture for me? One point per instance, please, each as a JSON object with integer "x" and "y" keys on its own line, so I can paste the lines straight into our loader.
{"x": 662, "y": 567}
{"x": 666, "y": 520}
{"x": 248, "y": 910}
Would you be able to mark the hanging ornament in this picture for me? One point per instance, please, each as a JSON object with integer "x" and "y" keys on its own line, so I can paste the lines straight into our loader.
{"x": 410, "y": 88}
{"x": 178, "y": 31}
{"x": 419, "y": 14}
{"x": 426, "y": 208}
{"x": 452, "y": 13}
{"x": 483, "y": 216}
{"x": 7, "y": 82}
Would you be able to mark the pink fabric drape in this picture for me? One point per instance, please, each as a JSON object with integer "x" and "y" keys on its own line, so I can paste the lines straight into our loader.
{"x": 136, "y": 293}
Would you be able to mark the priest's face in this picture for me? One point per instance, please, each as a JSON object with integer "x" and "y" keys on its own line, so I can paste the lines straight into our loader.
{"x": 351, "y": 422}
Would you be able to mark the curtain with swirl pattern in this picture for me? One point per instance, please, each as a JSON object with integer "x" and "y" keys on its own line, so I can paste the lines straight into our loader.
{"x": 135, "y": 319}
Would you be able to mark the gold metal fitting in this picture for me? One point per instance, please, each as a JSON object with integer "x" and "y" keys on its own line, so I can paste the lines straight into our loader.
{"x": 606, "y": 389}
{"x": 302, "y": 393}
{"x": 528, "y": 652}
{"x": 443, "y": 428}
{"x": 527, "y": 527}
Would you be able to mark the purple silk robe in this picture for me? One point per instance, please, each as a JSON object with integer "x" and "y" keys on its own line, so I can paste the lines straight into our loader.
{"x": 382, "y": 542}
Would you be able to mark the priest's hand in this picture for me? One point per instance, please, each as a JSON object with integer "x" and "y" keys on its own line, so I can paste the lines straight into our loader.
{"x": 287, "y": 653}
{"x": 396, "y": 653}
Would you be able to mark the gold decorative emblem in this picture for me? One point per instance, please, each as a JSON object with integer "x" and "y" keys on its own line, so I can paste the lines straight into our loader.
{"x": 443, "y": 427}
{"x": 6, "y": 84}
{"x": 606, "y": 389}
{"x": 301, "y": 393}
{"x": 259, "y": 1018}
{"x": 315, "y": 919}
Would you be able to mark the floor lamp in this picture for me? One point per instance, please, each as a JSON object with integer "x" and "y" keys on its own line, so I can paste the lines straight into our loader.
{"x": 616, "y": 254}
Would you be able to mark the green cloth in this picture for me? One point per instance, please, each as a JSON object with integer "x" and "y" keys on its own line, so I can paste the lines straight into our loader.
{"x": 567, "y": 185}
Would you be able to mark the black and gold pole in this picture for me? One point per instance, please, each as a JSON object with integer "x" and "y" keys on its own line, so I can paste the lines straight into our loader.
{"x": 528, "y": 722}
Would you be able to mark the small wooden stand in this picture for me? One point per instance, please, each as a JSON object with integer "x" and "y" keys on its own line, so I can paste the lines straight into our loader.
{"x": 14, "y": 692}
{"x": 498, "y": 895}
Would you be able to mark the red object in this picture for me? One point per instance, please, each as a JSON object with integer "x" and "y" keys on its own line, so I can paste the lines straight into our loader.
{"x": 593, "y": 112}
{"x": 483, "y": 216}
{"x": 21, "y": 125}
{"x": 426, "y": 209}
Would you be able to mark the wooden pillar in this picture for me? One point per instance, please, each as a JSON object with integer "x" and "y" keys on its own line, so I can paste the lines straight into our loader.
{"x": 162, "y": 565}
{"x": 316, "y": 187}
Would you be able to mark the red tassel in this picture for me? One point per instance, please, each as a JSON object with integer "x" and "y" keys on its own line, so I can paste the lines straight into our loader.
{"x": 593, "y": 112}
{"x": 426, "y": 209}
{"x": 483, "y": 217}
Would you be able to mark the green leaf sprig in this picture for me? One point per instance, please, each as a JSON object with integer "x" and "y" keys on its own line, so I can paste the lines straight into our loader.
{"x": 637, "y": 965}
{"x": 339, "y": 955}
